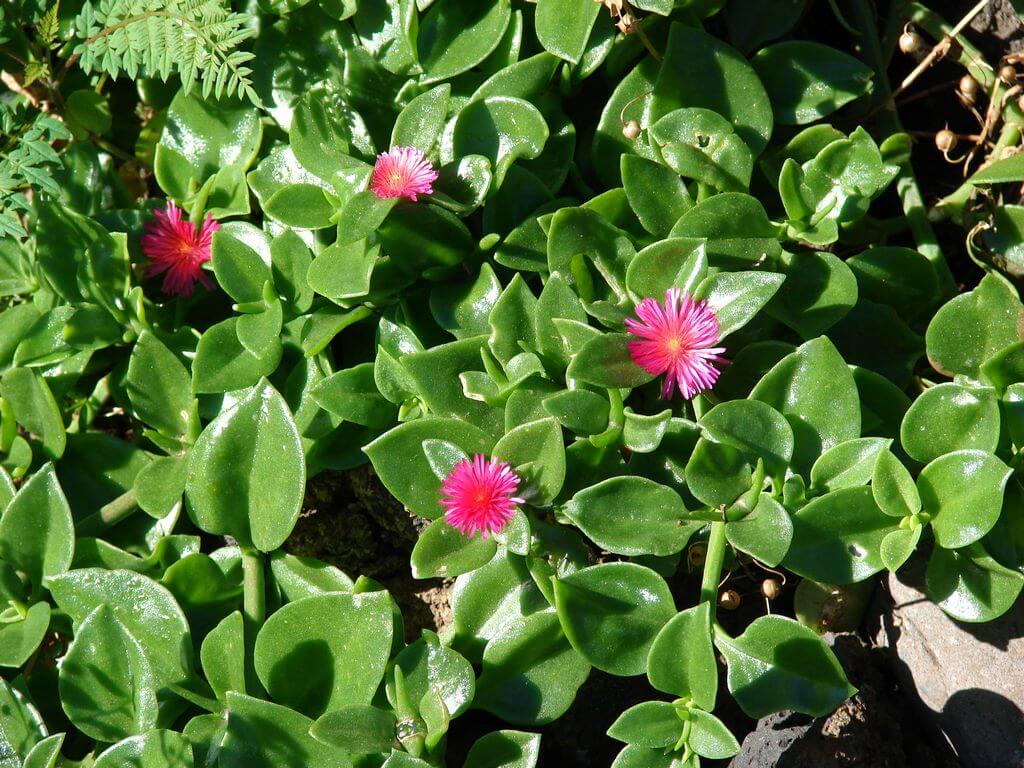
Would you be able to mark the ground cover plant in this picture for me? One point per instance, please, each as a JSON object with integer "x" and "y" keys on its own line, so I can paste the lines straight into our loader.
{"x": 618, "y": 299}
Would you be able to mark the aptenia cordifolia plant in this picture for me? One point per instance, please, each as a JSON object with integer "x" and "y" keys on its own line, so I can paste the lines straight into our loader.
{"x": 623, "y": 300}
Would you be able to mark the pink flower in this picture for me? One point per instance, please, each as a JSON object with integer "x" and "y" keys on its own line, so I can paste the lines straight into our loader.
{"x": 677, "y": 338}
{"x": 478, "y": 496}
{"x": 402, "y": 172}
{"x": 179, "y": 248}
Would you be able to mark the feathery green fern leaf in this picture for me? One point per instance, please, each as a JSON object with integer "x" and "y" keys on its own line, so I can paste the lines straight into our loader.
{"x": 196, "y": 38}
{"x": 25, "y": 156}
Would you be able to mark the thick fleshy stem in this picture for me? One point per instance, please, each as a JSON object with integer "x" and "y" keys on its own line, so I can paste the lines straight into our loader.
{"x": 254, "y": 592}
{"x": 109, "y": 515}
{"x": 713, "y": 561}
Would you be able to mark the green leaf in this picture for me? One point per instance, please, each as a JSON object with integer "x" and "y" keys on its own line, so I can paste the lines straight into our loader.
{"x": 160, "y": 389}
{"x": 836, "y": 538}
{"x": 563, "y": 27}
{"x": 847, "y": 464}
{"x": 299, "y": 577}
{"x": 35, "y": 408}
{"x": 758, "y": 430}
{"x": 656, "y": 193}
{"x": 778, "y": 664}
{"x": 612, "y": 612}
{"x": 240, "y": 255}
{"x": 536, "y": 452}
{"x": 37, "y": 535}
{"x": 652, "y": 724}
{"x": 579, "y": 410}
{"x": 456, "y": 36}
{"x": 107, "y": 687}
{"x": 963, "y": 492}
{"x": 900, "y": 277}
{"x": 222, "y": 655}
{"x": 444, "y": 552}
{"x": 264, "y": 735}
{"x": 504, "y": 749}
{"x": 814, "y": 389}
{"x": 899, "y": 545}
{"x": 348, "y": 635}
{"x": 710, "y": 737}
{"x": 430, "y": 667}
{"x": 462, "y": 309}
{"x": 692, "y": 60}
{"x": 420, "y": 123}
{"x": 971, "y": 586}
{"x": 807, "y": 81}
{"x": 247, "y": 472}
{"x": 20, "y": 638}
{"x": 631, "y": 516}
{"x": 45, "y": 753}
{"x": 222, "y": 364}
{"x": 357, "y": 728}
{"x": 530, "y": 672}
{"x": 200, "y": 137}
{"x": 511, "y": 321}
{"x": 134, "y": 600}
{"x": 352, "y": 395}
{"x": 155, "y": 749}
{"x": 682, "y": 660}
{"x": 818, "y": 292}
{"x": 949, "y": 417}
{"x": 672, "y": 263}
{"x": 735, "y": 297}
{"x": 1003, "y": 171}
{"x": 404, "y": 469}
{"x": 718, "y": 473}
{"x": 88, "y": 112}
{"x": 737, "y": 230}
{"x": 701, "y": 145}
{"x": 605, "y": 361}
{"x": 501, "y": 128}
{"x": 765, "y": 533}
{"x": 972, "y": 327}
{"x": 754, "y": 22}
{"x": 893, "y": 487}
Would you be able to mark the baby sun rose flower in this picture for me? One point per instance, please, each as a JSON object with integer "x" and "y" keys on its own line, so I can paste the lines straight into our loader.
{"x": 402, "y": 172}
{"x": 179, "y": 248}
{"x": 478, "y": 496}
{"x": 677, "y": 338}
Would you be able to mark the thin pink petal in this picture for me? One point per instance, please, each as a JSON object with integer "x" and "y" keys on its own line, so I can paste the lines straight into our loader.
{"x": 677, "y": 338}
{"x": 402, "y": 172}
{"x": 178, "y": 249}
{"x": 478, "y": 496}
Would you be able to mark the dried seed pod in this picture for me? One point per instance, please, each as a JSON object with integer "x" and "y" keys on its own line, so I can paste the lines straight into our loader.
{"x": 771, "y": 588}
{"x": 631, "y": 129}
{"x": 697, "y": 553}
{"x": 910, "y": 42}
{"x": 729, "y": 599}
{"x": 969, "y": 88}
{"x": 945, "y": 140}
{"x": 1008, "y": 74}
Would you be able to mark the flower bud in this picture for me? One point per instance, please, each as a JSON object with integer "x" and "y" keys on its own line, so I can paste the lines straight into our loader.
{"x": 1008, "y": 74}
{"x": 631, "y": 129}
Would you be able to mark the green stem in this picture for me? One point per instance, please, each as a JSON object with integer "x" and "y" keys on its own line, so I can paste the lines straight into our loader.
{"x": 254, "y": 588}
{"x": 889, "y": 125}
{"x": 713, "y": 566}
{"x": 952, "y": 205}
{"x": 969, "y": 56}
{"x": 109, "y": 515}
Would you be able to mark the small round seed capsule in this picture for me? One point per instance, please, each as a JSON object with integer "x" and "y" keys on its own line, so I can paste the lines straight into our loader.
{"x": 771, "y": 588}
{"x": 910, "y": 42}
{"x": 697, "y": 553}
{"x": 631, "y": 129}
{"x": 729, "y": 599}
{"x": 1008, "y": 74}
{"x": 945, "y": 140}
{"x": 969, "y": 88}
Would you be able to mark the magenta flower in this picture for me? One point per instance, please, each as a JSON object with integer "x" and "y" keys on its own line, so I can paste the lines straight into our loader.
{"x": 402, "y": 172}
{"x": 179, "y": 248}
{"x": 478, "y": 496}
{"x": 677, "y": 338}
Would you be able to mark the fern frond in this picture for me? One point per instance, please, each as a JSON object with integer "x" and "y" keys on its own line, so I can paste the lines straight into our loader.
{"x": 197, "y": 38}
{"x": 26, "y": 158}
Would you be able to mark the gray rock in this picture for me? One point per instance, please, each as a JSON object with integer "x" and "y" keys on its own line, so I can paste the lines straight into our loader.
{"x": 969, "y": 678}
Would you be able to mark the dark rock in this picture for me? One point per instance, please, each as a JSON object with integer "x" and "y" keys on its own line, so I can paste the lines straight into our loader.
{"x": 870, "y": 730}
{"x": 966, "y": 677}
